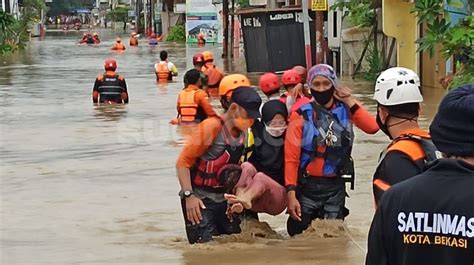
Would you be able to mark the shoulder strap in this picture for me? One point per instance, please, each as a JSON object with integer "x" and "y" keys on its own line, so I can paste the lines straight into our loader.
{"x": 429, "y": 149}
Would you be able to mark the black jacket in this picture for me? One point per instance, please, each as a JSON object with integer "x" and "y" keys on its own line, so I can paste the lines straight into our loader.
{"x": 428, "y": 219}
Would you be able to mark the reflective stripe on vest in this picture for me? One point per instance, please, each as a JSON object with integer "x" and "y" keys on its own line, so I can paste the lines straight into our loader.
{"x": 162, "y": 71}
{"x": 204, "y": 172}
{"x": 187, "y": 106}
{"x": 331, "y": 138}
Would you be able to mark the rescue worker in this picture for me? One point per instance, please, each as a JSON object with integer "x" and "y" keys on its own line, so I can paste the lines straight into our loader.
{"x": 429, "y": 218}
{"x": 294, "y": 96}
{"x": 193, "y": 104}
{"x": 133, "y": 41}
{"x": 269, "y": 83}
{"x": 318, "y": 147}
{"x": 398, "y": 95}
{"x": 198, "y": 63}
{"x": 153, "y": 40}
{"x": 87, "y": 39}
{"x": 213, "y": 73}
{"x": 228, "y": 84}
{"x": 110, "y": 87}
{"x": 96, "y": 38}
{"x": 254, "y": 191}
{"x": 84, "y": 38}
{"x": 217, "y": 141}
{"x": 118, "y": 45}
{"x": 165, "y": 70}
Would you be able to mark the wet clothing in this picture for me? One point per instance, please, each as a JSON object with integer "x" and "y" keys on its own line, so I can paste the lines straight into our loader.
{"x": 209, "y": 149}
{"x": 133, "y": 41}
{"x": 153, "y": 41}
{"x": 268, "y": 153}
{"x": 322, "y": 198}
{"x": 312, "y": 167}
{"x": 403, "y": 159}
{"x": 118, "y": 46}
{"x": 193, "y": 105}
{"x": 427, "y": 219}
{"x": 270, "y": 196}
{"x": 110, "y": 87}
{"x": 214, "y": 76}
{"x": 214, "y": 222}
{"x": 165, "y": 70}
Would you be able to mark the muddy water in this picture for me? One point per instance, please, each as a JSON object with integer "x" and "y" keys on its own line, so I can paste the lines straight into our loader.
{"x": 96, "y": 185}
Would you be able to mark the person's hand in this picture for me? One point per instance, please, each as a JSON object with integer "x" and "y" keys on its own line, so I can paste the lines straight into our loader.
{"x": 294, "y": 208}
{"x": 344, "y": 94}
{"x": 193, "y": 209}
{"x": 297, "y": 91}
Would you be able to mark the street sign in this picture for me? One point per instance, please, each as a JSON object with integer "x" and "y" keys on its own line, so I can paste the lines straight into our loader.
{"x": 319, "y": 5}
{"x": 131, "y": 13}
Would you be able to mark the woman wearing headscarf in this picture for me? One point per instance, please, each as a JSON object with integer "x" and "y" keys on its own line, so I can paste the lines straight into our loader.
{"x": 318, "y": 147}
{"x": 264, "y": 191}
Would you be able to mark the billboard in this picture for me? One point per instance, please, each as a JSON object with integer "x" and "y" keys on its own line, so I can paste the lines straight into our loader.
{"x": 202, "y": 17}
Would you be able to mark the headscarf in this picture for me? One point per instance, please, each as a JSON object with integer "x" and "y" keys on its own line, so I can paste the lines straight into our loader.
{"x": 272, "y": 108}
{"x": 321, "y": 70}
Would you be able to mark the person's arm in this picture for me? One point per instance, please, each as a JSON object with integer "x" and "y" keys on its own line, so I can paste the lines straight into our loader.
{"x": 203, "y": 101}
{"x": 359, "y": 115}
{"x": 196, "y": 146}
{"x": 123, "y": 84}
{"x": 292, "y": 162}
{"x": 376, "y": 250}
{"x": 395, "y": 167}
{"x": 174, "y": 70}
{"x": 95, "y": 91}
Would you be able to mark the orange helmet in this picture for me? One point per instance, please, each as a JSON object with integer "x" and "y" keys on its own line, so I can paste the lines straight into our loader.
{"x": 269, "y": 83}
{"x": 110, "y": 64}
{"x": 291, "y": 77}
{"x": 208, "y": 56}
{"x": 118, "y": 40}
{"x": 231, "y": 82}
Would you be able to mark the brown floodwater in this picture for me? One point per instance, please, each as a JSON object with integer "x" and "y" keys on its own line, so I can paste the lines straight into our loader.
{"x": 96, "y": 185}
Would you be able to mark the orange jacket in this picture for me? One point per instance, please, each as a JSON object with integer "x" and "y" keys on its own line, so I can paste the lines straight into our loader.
{"x": 118, "y": 46}
{"x": 361, "y": 118}
{"x": 200, "y": 98}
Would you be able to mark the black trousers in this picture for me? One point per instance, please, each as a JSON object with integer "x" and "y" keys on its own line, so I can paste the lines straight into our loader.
{"x": 320, "y": 198}
{"x": 214, "y": 222}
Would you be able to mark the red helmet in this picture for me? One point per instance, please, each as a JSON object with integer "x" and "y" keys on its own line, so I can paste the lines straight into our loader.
{"x": 291, "y": 77}
{"x": 153, "y": 35}
{"x": 269, "y": 83}
{"x": 198, "y": 58}
{"x": 110, "y": 64}
{"x": 301, "y": 71}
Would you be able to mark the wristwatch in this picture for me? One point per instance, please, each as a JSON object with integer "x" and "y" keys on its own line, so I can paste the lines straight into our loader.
{"x": 185, "y": 194}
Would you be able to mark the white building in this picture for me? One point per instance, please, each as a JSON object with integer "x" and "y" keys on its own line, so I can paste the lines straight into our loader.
{"x": 10, "y": 6}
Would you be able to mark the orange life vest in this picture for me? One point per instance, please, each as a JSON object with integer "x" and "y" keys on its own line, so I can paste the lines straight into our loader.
{"x": 214, "y": 75}
{"x": 187, "y": 106}
{"x": 118, "y": 46}
{"x": 162, "y": 71}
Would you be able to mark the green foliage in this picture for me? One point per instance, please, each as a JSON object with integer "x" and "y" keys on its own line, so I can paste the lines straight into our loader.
{"x": 465, "y": 76}
{"x": 376, "y": 63}
{"x": 242, "y": 3}
{"x": 359, "y": 12}
{"x": 119, "y": 14}
{"x": 177, "y": 34}
{"x": 14, "y": 32}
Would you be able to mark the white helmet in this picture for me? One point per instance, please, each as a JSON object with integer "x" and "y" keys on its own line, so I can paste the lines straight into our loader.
{"x": 397, "y": 86}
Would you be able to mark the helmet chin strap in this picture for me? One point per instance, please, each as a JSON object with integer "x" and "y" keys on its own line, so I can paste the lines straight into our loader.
{"x": 414, "y": 118}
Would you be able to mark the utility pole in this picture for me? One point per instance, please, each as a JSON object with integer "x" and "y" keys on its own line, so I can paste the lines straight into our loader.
{"x": 225, "y": 14}
{"x": 152, "y": 15}
{"x": 232, "y": 29}
{"x": 307, "y": 36}
{"x": 145, "y": 7}
{"x": 319, "y": 37}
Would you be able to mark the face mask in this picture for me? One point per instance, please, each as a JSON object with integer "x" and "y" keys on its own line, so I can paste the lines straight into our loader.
{"x": 323, "y": 97}
{"x": 383, "y": 127}
{"x": 275, "y": 131}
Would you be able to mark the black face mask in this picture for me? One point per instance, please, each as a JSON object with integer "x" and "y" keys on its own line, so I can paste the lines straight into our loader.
{"x": 323, "y": 97}
{"x": 383, "y": 127}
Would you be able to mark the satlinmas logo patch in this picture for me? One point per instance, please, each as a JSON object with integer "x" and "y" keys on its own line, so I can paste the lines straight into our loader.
{"x": 445, "y": 225}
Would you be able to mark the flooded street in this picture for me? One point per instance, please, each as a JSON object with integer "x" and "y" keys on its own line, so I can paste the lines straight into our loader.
{"x": 96, "y": 185}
